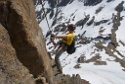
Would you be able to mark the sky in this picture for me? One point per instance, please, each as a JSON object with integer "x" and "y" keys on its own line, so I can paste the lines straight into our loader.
{"x": 111, "y": 73}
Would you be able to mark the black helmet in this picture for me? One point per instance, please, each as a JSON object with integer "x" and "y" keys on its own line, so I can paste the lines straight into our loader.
{"x": 71, "y": 27}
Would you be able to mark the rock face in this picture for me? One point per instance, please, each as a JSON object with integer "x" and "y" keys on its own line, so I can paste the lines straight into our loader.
{"x": 17, "y": 17}
{"x": 11, "y": 70}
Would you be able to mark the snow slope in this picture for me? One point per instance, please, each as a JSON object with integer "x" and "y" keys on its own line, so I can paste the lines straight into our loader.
{"x": 111, "y": 73}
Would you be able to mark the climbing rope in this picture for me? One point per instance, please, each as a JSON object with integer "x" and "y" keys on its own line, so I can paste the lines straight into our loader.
{"x": 45, "y": 13}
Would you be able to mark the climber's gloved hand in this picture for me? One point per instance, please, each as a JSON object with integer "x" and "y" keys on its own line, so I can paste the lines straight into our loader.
{"x": 52, "y": 35}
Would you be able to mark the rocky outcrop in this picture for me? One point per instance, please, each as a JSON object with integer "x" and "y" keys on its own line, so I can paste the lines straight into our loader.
{"x": 74, "y": 79}
{"x": 18, "y": 18}
{"x": 91, "y": 2}
{"x": 11, "y": 70}
{"x": 116, "y": 22}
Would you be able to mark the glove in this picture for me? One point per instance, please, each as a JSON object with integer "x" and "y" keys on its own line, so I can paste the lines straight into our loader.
{"x": 52, "y": 35}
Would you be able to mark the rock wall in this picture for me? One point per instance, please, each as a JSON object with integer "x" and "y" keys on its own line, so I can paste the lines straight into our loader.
{"x": 11, "y": 70}
{"x": 18, "y": 19}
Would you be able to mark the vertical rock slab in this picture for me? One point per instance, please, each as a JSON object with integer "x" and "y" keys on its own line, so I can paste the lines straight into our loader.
{"x": 26, "y": 37}
{"x": 11, "y": 70}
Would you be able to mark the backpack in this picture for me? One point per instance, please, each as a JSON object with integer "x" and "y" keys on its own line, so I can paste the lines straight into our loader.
{"x": 71, "y": 48}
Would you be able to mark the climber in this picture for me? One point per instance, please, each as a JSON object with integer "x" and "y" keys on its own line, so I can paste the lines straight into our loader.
{"x": 65, "y": 41}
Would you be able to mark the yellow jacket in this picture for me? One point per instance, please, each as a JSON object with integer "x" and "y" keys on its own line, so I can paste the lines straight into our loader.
{"x": 69, "y": 38}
